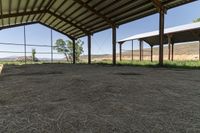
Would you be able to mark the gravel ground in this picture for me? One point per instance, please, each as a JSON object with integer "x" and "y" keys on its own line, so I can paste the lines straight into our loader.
{"x": 61, "y": 98}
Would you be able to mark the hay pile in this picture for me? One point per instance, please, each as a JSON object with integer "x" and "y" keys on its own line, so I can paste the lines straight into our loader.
{"x": 1, "y": 68}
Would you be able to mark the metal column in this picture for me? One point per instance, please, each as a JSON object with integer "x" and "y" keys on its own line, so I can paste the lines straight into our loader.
{"x": 199, "y": 50}
{"x": 132, "y": 50}
{"x": 89, "y": 49}
{"x": 25, "y": 44}
{"x": 74, "y": 51}
{"x": 114, "y": 44}
{"x": 172, "y": 52}
{"x": 141, "y": 50}
{"x": 151, "y": 53}
{"x": 161, "y": 36}
{"x": 51, "y": 46}
{"x": 120, "y": 51}
{"x": 169, "y": 48}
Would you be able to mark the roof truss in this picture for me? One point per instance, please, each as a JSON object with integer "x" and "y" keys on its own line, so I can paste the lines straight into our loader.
{"x": 78, "y": 18}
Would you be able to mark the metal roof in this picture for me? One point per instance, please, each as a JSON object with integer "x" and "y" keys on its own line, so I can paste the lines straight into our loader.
{"x": 182, "y": 33}
{"x": 77, "y": 18}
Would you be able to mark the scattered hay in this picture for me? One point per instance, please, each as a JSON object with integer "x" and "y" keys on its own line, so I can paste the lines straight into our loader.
{"x": 129, "y": 74}
{"x": 35, "y": 73}
{"x": 1, "y": 68}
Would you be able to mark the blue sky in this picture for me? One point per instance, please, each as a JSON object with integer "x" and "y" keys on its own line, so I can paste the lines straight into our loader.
{"x": 101, "y": 42}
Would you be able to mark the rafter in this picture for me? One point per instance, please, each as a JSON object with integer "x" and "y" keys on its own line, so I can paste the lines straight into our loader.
{"x": 73, "y": 3}
{"x": 71, "y": 37}
{"x": 17, "y": 25}
{"x": 95, "y": 12}
{"x": 69, "y": 22}
{"x": 77, "y": 22}
{"x": 133, "y": 7}
{"x": 55, "y": 11}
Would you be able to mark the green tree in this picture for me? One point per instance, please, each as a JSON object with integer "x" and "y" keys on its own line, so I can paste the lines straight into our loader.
{"x": 67, "y": 48}
{"x": 33, "y": 54}
{"x": 196, "y": 20}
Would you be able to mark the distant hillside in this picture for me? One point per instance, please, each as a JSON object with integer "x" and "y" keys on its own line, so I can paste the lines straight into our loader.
{"x": 179, "y": 49}
{"x": 185, "y": 51}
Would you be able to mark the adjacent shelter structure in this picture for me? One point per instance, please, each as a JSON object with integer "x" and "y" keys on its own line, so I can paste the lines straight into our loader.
{"x": 178, "y": 34}
{"x": 79, "y": 18}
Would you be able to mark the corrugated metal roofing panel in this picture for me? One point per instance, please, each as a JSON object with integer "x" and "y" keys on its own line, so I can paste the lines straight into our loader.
{"x": 172, "y": 30}
{"x": 77, "y": 18}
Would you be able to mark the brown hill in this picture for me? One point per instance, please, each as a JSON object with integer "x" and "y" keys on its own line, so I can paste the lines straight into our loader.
{"x": 184, "y": 51}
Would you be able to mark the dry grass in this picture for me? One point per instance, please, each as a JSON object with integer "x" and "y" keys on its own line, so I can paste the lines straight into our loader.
{"x": 187, "y": 51}
{"x": 59, "y": 98}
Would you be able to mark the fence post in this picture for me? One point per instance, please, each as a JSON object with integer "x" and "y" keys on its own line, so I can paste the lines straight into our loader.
{"x": 51, "y": 46}
{"x": 25, "y": 44}
{"x": 132, "y": 51}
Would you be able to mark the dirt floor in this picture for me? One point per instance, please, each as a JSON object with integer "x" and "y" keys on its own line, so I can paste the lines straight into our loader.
{"x": 61, "y": 98}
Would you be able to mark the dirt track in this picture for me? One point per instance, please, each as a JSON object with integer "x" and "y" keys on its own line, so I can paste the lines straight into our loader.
{"x": 98, "y": 99}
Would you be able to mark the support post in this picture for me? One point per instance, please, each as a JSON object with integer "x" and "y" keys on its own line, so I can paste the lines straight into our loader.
{"x": 151, "y": 53}
{"x": 51, "y": 46}
{"x": 172, "y": 52}
{"x": 141, "y": 50}
{"x": 169, "y": 48}
{"x": 120, "y": 51}
{"x": 161, "y": 36}
{"x": 114, "y": 44}
{"x": 89, "y": 49}
{"x": 25, "y": 44}
{"x": 74, "y": 51}
{"x": 199, "y": 50}
{"x": 132, "y": 50}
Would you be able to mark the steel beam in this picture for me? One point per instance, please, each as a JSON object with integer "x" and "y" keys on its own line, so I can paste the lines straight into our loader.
{"x": 89, "y": 49}
{"x": 25, "y": 44}
{"x": 114, "y": 44}
{"x": 161, "y": 37}
{"x": 151, "y": 53}
{"x": 51, "y": 46}
{"x": 120, "y": 51}
{"x": 74, "y": 50}
{"x": 69, "y": 22}
{"x": 17, "y": 25}
{"x": 71, "y": 37}
{"x": 169, "y": 47}
{"x": 141, "y": 50}
{"x": 172, "y": 51}
{"x": 199, "y": 50}
{"x": 132, "y": 50}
